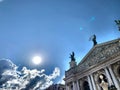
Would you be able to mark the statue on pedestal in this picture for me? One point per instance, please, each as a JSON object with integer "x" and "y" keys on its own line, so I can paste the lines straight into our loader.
{"x": 72, "y": 56}
{"x": 103, "y": 84}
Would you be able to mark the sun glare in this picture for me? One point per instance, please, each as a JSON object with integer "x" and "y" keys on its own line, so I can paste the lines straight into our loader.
{"x": 36, "y": 60}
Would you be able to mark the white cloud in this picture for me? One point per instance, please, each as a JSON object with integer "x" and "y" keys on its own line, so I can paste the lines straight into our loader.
{"x": 61, "y": 80}
{"x": 26, "y": 78}
{"x": 48, "y": 79}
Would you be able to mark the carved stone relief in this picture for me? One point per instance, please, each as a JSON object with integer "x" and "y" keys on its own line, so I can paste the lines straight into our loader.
{"x": 99, "y": 54}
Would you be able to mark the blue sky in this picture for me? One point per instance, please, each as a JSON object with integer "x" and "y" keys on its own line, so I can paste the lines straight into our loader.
{"x": 53, "y": 29}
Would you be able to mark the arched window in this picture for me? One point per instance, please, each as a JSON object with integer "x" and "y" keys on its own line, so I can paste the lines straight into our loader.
{"x": 118, "y": 70}
{"x": 86, "y": 86}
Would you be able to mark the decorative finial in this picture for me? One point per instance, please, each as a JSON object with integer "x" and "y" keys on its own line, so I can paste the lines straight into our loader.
{"x": 93, "y": 38}
{"x": 72, "y": 56}
{"x": 118, "y": 23}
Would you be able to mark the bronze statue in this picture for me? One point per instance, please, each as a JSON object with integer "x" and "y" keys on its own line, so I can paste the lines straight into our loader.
{"x": 118, "y": 23}
{"x": 93, "y": 38}
{"x": 72, "y": 56}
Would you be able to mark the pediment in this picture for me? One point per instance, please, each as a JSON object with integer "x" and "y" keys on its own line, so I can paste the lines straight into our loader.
{"x": 99, "y": 53}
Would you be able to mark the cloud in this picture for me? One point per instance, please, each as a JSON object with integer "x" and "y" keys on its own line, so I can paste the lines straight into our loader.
{"x": 26, "y": 79}
{"x": 61, "y": 80}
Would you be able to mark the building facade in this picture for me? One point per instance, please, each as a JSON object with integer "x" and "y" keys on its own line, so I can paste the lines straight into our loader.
{"x": 98, "y": 70}
{"x": 56, "y": 87}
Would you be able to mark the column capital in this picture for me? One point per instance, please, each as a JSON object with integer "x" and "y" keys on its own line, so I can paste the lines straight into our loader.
{"x": 109, "y": 66}
{"x": 105, "y": 67}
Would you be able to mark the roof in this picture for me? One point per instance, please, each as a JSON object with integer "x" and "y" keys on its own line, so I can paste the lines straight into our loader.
{"x": 99, "y": 53}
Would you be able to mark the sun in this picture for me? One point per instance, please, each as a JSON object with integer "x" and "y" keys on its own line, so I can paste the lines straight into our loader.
{"x": 37, "y": 60}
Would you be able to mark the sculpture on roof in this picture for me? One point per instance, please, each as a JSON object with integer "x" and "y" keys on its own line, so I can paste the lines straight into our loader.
{"x": 118, "y": 23}
{"x": 93, "y": 38}
{"x": 72, "y": 56}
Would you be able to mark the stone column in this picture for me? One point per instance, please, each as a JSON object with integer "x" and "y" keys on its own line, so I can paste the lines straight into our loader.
{"x": 93, "y": 82}
{"x": 90, "y": 83}
{"x": 108, "y": 76}
{"x": 78, "y": 87}
{"x": 69, "y": 88}
{"x": 114, "y": 78}
{"x": 81, "y": 86}
{"x": 74, "y": 86}
{"x": 66, "y": 87}
{"x": 73, "y": 83}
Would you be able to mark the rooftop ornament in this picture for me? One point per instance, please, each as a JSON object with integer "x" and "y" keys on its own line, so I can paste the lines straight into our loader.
{"x": 93, "y": 38}
{"x": 118, "y": 24}
{"x": 72, "y": 56}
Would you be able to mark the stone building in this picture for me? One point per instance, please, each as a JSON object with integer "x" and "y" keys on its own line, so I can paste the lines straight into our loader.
{"x": 98, "y": 70}
{"x": 56, "y": 87}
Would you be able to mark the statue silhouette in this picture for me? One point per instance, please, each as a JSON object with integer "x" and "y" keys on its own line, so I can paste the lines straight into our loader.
{"x": 118, "y": 23}
{"x": 72, "y": 56}
{"x": 94, "y": 40}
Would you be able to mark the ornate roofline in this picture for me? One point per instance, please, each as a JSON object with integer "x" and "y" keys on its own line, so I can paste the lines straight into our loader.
{"x": 96, "y": 46}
